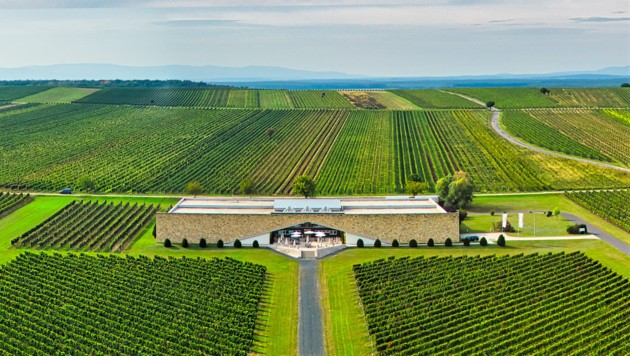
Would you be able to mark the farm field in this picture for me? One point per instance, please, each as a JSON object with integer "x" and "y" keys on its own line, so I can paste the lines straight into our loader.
{"x": 11, "y": 201}
{"x": 8, "y": 94}
{"x": 345, "y": 327}
{"x": 581, "y": 132}
{"x": 114, "y": 305}
{"x": 377, "y": 99}
{"x": 58, "y": 95}
{"x": 539, "y": 301}
{"x": 160, "y": 150}
{"x": 613, "y": 206}
{"x": 435, "y": 99}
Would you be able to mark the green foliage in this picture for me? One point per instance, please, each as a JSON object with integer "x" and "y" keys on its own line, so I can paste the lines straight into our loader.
{"x": 498, "y": 226}
{"x": 575, "y": 229}
{"x": 270, "y": 131}
{"x": 483, "y": 242}
{"x": 489, "y": 104}
{"x": 466, "y": 242}
{"x": 193, "y": 188}
{"x": 544, "y": 91}
{"x": 185, "y": 243}
{"x": 203, "y": 243}
{"x": 255, "y": 244}
{"x": 395, "y": 243}
{"x": 492, "y": 212}
{"x": 435, "y": 99}
{"x": 430, "y": 243}
{"x": 167, "y": 243}
{"x": 360, "y": 243}
{"x": 247, "y": 187}
{"x": 543, "y": 319}
{"x": 304, "y": 185}
{"x": 150, "y": 294}
{"x": 625, "y": 85}
{"x": 413, "y": 243}
{"x": 90, "y": 226}
{"x": 86, "y": 184}
{"x": 10, "y": 202}
{"x": 463, "y": 214}
{"x": 377, "y": 243}
{"x": 448, "y": 242}
{"x": 220, "y": 243}
{"x": 556, "y": 212}
{"x": 611, "y": 205}
{"x": 414, "y": 188}
{"x": 501, "y": 240}
{"x": 456, "y": 191}
{"x": 10, "y": 93}
{"x": 510, "y": 98}
{"x": 237, "y": 243}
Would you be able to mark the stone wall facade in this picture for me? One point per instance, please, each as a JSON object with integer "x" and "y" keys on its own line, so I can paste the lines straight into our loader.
{"x": 386, "y": 227}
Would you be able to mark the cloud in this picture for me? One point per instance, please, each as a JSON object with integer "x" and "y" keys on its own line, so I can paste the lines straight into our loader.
{"x": 600, "y": 19}
{"x": 198, "y": 23}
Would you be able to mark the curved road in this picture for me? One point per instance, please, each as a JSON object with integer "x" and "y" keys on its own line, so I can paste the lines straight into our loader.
{"x": 619, "y": 245}
{"x": 497, "y": 128}
{"x": 310, "y": 329}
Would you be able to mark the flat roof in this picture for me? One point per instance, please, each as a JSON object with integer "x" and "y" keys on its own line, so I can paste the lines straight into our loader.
{"x": 388, "y": 205}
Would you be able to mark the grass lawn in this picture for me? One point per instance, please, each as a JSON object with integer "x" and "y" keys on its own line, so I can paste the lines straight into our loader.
{"x": 58, "y": 95}
{"x": 344, "y": 324}
{"x": 537, "y": 202}
{"x": 277, "y": 330}
{"x": 534, "y": 224}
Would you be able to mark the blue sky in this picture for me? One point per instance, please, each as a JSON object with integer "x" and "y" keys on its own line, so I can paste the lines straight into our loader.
{"x": 378, "y": 38}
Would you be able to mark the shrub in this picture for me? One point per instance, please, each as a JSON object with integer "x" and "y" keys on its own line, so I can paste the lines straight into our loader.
{"x": 237, "y": 243}
{"x": 255, "y": 244}
{"x": 575, "y": 229}
{"x": 220, "y": 244}
{"x": 483, "y": 242}
{"x": 203, "y": 243}
{"x": 413, "y": 243}
{"x": 377, "y": 243}
{"x": 463, "y": 214}
{"x": 491, "y": 212}
{"x": 155, "y": 231}
{"x": 395, "y": 243}
{"x": 167, "y": 243}
{"x": 360, "y": 243}
{"x": 430, "y": 243}
{"x": 466, "y": 242}
{"x": 501, "y": 241}
{"x": 185, "y": 243}
{"x": 498, "y": 226}
{"x": 549, "y": 213}
{"x": 448, "y": 242}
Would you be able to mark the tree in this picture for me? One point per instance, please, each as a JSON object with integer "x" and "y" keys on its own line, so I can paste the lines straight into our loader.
{"x": 304, "y": 185}
{"x": 413, "y": 243}
{"x": 430, "y": 243}
{"x": 395, "y": 243}
{"x": 185, "y": 243}
{"x": 360, "y": 243}
{"x": 377, "y": 243}
{"x": 203, "y": 243}
{"x": 247, "y": 187}
{"x": 155, "y": 231}
{"x": 455, "y": 191}
{"x": 625, "y": 85}
{"x": 448, "y": 242}
{"x": 255, "y": 244}
{"x": 167, "y": 243}
{"x": 220, "y": 244}
{"x": 483, "y": 242}
{"x": 270, "y": 131}
{"x": 414, "y": 178}
{"x": 463, "y": 214}
{"x": 414, "y": 188}
{"x": 237, "y": 243}
{"x": 85, "y": 184}
{"x": 466, "y": 242}
{"x": 545, "y": 91}
{"x": 193, "y": 188}
{"x": 556, "y": 212}
{"x": 489, "y": 104}
{"x": 501, "y": 240}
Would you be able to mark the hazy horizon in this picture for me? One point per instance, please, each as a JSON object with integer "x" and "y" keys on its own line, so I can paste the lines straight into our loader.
{"x": 374, "y": 38}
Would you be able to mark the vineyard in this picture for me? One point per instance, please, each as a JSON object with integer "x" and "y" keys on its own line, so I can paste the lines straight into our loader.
{"x": 523, "y": 304}
{"x": 522, "y": 124}
{"x": 613, "y": 206}
{"x": 510, "y": 98}
{"x": 153, "y": 149}
{"x": 377, "y": 99}
{"x": 13, "y": 93}
{"x": 435, "y": 99}
{"x": 79, "y": 304}
{"x": 58, "y": 95}
{"x": 594, "y": 134}
{"x": 90, "y": 226}
{"x": 584, "y": 97}
{"x": 9, "y": 202}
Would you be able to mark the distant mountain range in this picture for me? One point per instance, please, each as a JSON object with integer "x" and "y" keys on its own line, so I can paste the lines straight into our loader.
{"x": 279, "y": 77}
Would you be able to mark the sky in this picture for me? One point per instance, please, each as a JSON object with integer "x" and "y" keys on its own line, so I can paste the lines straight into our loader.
{"x": 370, "y": 37}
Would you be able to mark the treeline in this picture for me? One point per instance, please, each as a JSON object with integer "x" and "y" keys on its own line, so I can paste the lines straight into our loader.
{"x": 116, "y": 83}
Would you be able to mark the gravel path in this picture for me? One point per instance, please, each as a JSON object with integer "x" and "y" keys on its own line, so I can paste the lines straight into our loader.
{"x": 497, "y": 128}
{"x": 310, "y": 329}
